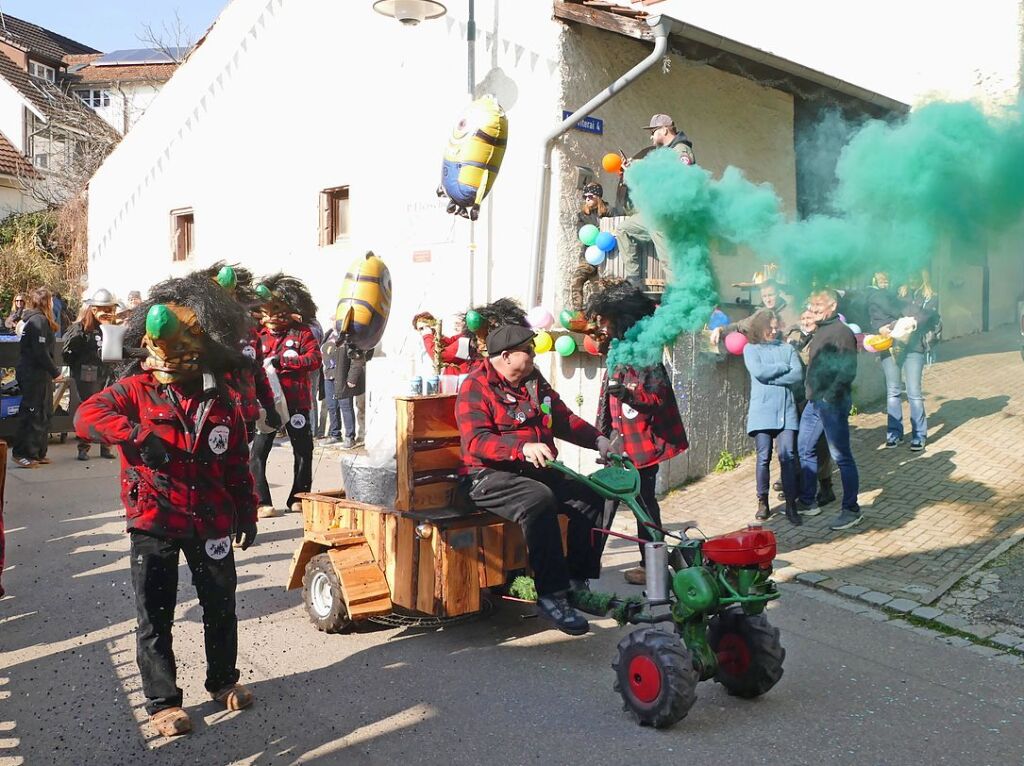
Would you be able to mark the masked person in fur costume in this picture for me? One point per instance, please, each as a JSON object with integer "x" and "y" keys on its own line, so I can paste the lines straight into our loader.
{"x": 250, "y": 382}
{"x": 185, "y": 481}
{"x": 639, "y": 404}
{"x": 286, "y": 309}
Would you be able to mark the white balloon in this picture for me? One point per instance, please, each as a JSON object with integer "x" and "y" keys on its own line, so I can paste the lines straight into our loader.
{"x": 595, "y": 256}
{"x": 854, "y": 328}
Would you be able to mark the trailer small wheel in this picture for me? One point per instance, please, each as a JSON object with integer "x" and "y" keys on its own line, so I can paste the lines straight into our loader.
{"x": 321, "y": 593}
{"x": 750, "y": 655}
{"x": 654, "y": 673}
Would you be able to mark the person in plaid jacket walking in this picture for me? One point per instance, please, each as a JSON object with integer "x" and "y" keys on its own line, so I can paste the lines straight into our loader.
{"x": 638, "y": 404}
{"x": 508, "y": 417}
{"x": 286, "y": 310}
{"x": 185, "y": 481}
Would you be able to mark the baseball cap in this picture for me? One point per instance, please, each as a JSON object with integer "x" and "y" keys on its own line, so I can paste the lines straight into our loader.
{"x": 506, "y": 337}
{"x": 660, "y": 121}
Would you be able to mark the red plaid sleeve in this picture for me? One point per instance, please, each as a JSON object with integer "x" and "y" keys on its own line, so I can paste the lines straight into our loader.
{"x": 482, "y": 441}
{"x": 111, "y": 417}
{"x": 237, "y": 476}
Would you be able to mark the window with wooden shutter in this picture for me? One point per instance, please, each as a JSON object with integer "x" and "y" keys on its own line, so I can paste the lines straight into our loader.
{"x": 334, "y": 215}
{"x": 182, "y": 234}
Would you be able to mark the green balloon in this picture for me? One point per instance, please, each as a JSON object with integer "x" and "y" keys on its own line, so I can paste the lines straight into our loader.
{"x": 161, "y": 322}
{"x": 226, "y": 278}
{"x": 565, "y": 345}
{"x": 565, "y": 318}
{"x": 588, "y": 234}
{"x": 474, "y": 321}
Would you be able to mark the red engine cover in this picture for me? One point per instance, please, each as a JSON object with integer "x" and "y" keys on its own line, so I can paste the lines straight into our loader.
{"x": 753, "y": 546}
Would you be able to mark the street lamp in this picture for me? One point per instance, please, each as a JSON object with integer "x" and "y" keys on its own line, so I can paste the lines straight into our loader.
{"x": 410, "y": 12}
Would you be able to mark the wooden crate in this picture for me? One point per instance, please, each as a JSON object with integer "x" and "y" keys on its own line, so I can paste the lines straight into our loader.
{"x": 427, "y": 451}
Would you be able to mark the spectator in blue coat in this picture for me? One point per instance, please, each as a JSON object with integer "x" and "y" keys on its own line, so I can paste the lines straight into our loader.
{"x": 772, "y": 418}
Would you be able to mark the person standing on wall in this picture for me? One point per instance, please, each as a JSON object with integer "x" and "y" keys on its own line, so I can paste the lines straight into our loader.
{"x": 35, "y": 373}
{"x": 639, "y": 404}
{"x": 286, "y": 310}
{"x": 831, "y": 369}
{"x": 632, "y": 230}
{"x": 82, "y": 344}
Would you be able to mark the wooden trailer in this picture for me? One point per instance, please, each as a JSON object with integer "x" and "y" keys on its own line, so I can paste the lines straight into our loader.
{"x": 359, "y": 560}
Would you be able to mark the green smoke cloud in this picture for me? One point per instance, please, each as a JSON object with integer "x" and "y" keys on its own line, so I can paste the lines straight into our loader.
{"x": 947, "y": 170}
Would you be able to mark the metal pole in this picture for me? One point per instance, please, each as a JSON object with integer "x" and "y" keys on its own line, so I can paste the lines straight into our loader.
{"x": 471, "y": 88}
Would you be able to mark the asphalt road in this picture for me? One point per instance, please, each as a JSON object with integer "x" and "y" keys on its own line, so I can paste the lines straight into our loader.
{"x": 498, "y": 690}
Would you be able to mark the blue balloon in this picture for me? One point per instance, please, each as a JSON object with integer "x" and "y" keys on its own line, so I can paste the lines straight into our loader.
{"x": 606, "y": 241}
{"x": 718, "y": 319}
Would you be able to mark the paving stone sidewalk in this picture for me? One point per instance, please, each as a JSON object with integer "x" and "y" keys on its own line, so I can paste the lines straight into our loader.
{"x": 931, "y": 518}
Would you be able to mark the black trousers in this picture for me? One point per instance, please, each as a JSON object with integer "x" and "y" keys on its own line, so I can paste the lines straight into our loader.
{"x": 33, "y": 434}
{"x": 649, "y": 500}
{"x": 534, "y": 499}
{"x": 154, "y": 563}
{"x": 301, "y": 437}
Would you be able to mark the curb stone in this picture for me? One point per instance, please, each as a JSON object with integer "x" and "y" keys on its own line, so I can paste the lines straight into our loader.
{"x": 883, "y": 607}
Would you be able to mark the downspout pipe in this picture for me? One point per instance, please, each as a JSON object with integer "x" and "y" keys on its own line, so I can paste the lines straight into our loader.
{"x": 661, "y": 26}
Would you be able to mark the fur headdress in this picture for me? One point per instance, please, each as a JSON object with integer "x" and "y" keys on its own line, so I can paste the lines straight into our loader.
{"x": 621, "y": 302}
{"x": 501, "y": 311}
{"x": 235, "y": 278}
{"x": 290, "y": 291}
{"x": 224, "y": 323}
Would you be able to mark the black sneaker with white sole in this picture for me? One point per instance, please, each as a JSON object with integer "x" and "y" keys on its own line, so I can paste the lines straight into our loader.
{"x": 847, "y": 518}
{"x": 556, "y": 610}
{"x": 917, "y": 445}
{"x": 892, "y": 441}
{"x": 807, "y": 510}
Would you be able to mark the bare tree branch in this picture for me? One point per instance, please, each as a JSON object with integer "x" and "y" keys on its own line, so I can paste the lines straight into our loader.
{"x": 172, "y": 38}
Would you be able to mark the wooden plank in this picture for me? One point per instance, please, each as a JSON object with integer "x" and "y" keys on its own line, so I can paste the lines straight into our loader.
{"x": 430, "y": 460}
{"x": 390, "y": 544}
{"x": 374, "y": 608}
{"x": 492, "y": 556}
{"x": 351, "y": 556}
{"x": 362, "y": 582}
{"x": 402, "y": 590}
{"x": 425, "y": 575}
{"x": 300, "y": 558}
{"x": 515, "y": 548}
{"x": 405, "y": 422}
{"x": 373, "y": 526}
{"x": 342, "y": 537}
{"x": 603, "y": 20}
{"x": 460, "y": 578}
{"x": 438, "y": 495}
{"x": 435, "y": 417}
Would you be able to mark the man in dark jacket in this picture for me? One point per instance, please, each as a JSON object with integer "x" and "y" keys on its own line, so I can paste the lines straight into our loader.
{"x": 349, "y": 385}
{"x": 831, "y": 368}
{"x": 35, "y": 373}
{"x": 508, "y": 417}
{"x": 185, "y": 481}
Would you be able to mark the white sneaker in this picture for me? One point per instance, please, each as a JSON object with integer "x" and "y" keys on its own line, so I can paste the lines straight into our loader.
{"x": 267, "y": 512}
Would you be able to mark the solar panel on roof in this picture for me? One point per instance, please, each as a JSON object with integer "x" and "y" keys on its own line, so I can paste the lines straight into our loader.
{"x": 130, "y": 56}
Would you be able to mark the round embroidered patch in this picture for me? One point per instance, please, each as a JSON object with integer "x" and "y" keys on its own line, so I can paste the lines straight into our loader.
{"x": 297, "y": 420}
{"x": 218, "y": 548}
{"x": 290, "y": 354}
{"x": 628, "y": 412}
{"x": 218, "y": 439}
{"x": 249, "y": 352}
{"x": 289, "y": 343}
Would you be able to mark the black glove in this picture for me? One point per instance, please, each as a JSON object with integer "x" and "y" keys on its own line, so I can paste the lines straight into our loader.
{"x": 272, "y": 418}
{"x": 245, "y": 535}
{"x": 604, "y": 446}
{"x": 153, "y": 452}
{"x": 619, "y": 391}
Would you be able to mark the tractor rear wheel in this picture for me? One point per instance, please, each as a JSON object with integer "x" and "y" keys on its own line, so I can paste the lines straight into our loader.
{"x": 321, "y": 594}
{"x": 654, "y": 673}
{"x": 750, "y": 655}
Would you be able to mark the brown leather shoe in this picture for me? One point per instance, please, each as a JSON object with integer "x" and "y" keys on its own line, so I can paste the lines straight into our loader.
{"x": 233, "y": 697}
{"x": 635, "y": 576}
{"x": 171, "y": 721}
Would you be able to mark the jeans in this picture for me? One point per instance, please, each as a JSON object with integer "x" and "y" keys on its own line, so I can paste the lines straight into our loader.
{"x": 348, "y": 416}
{"x": 534, "y": 499}
{"x": 633, "y": 230}
{"x": 300, "y": 432}
{"x": 832, "y": 419}
{"x": 333, "y": 407}
{"x": 154, "y": 566}
{"x": 784, "y": 442}
{"x": 912, "y": 373}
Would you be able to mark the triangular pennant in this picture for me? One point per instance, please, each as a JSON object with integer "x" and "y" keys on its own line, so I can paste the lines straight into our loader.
{"x": 449, "y": 22}
{"x": 534, "y": 57}
{"x": 462, "y": 30}
{"x": 504, "y": 45}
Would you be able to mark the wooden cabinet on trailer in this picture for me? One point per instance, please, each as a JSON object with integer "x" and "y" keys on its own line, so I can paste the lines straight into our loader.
{"x": 423, "y": 555}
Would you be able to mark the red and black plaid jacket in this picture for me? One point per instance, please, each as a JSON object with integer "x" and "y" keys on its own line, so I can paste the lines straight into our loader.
{"x": 496, "y": 419}
{"x": 206, "y": 484}
{"x": 251, "y": 383}
{"x": 647, "y": 416}
{"x": 298, "y": 354}
{"x": 458, "y": 353}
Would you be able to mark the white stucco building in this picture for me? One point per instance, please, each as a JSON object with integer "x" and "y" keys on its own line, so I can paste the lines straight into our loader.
{"x": 289, "y": 106}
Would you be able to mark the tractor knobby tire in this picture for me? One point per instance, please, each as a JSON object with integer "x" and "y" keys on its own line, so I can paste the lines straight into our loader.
{"x": 654, "y": 673}
{"x": 321, "y": 595}
{"x": 753, "y": 655}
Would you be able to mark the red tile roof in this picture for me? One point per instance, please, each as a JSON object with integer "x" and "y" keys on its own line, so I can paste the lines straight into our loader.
{"x": 13, "y": 162}
{"x": 85, "y": 73}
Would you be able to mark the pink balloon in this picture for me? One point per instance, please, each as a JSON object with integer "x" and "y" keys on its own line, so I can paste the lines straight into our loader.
{"x": 540, "y": 318}
{"x": 842, "y": 319}
{"x": 734, "y": 342}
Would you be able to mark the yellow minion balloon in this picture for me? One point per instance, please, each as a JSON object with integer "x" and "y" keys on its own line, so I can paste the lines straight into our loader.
{"x": 364, "y": 303}
{"x": 473, "y": 156}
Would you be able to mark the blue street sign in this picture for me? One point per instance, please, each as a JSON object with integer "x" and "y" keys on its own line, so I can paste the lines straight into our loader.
{"x": 587, "y": 124}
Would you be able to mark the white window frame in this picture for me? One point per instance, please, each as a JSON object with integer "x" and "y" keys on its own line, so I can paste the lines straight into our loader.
{"x": 42, "y": 71}
{"x": 94, "y": 98}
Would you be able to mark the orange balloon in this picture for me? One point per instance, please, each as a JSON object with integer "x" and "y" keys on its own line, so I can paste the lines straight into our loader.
{"x": 590, "y": 345}
{"x": 612, "y": 162}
